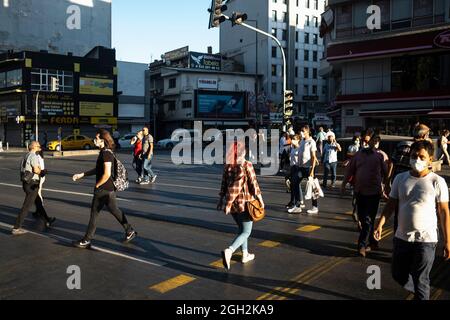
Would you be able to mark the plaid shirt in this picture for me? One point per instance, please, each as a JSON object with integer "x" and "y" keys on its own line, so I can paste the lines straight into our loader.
{"x": 234, "y": 188}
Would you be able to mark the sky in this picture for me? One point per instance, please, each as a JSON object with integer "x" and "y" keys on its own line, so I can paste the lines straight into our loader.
{"x": 143, "y": 30}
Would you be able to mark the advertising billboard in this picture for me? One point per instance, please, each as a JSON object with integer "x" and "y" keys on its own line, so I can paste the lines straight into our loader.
{"x": 221, "y": 104}
{"x": 95, "y": 86}
{"x": 205, "y": 61}
{"x": 55, "y": 104}
{"x": 96, "y": 109}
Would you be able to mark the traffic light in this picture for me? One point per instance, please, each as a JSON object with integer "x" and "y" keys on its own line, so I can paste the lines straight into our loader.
{"x": 216, "y": 10}
{"x": 55, "y": 84}
{"x": 238, "y": 18}
{"x": 20, "y": 119}
{"x": 288, "y": 104}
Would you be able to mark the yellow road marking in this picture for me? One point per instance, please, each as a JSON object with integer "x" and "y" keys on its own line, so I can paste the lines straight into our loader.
{"x": 308, "y": 228}
{"x": 219, "y": 264}
{"x": 269, "y": 244}
{"x": 172, "y": 284}
{"x": 340, "y": 218}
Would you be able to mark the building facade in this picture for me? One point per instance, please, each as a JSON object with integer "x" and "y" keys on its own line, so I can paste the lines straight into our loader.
{"x": 57, "y": 26}
{"x": 134, "y": 105}
{"x": 389, "y": 78}
{"x": 86, "y": 98}
{"x": 296, "y": 24}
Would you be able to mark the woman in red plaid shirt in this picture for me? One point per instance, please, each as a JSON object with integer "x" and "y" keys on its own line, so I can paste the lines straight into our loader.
{"x": 236, "y": 192}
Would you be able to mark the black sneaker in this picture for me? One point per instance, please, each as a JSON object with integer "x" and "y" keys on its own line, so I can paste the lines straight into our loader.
{"x": 50, "y": 222}
{"x": 290, "y": 205}
{"x": 82, "y": 244}
{"x": 130, "y": 236}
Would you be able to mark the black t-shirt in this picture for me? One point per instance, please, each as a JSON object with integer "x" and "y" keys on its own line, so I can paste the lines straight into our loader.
{"x": 105, "y": 156}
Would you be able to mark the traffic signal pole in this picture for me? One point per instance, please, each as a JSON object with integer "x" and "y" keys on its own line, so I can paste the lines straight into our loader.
{"x": 282, "y": 53}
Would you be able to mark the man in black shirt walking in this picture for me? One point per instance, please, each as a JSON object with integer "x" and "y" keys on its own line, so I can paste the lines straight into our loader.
{"x": 104, "y": 193}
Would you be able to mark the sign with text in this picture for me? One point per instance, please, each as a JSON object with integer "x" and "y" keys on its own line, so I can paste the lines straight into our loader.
{"x": 205, "y": 61}
{"x": 211, "y": 84}
{"x": 96, "y": 86}
{"x": 221, "y": 104}
{"x": 56, "y": 104}
{"x": 96, "y": 109}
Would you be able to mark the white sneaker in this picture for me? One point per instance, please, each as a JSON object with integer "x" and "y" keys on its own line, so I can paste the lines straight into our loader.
{"x": 302, "y": 205}
{"x": 226, "y": 258}
{"x": 313, "y": 211}
{"x": 295, "y": 210}
{"x": 249, "y": 257}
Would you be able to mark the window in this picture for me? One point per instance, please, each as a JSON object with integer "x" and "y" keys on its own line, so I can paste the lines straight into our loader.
{"x": 284, "y": 37}
{"x": 324, "y": 90}
{"x": 274, "y": 88}
{"x": 314, "y": 73}
{"x": 307, "y": 21}
{"x": 274, "y": 52}
{"x": 11, "y": 78}
{"x": 349, "y": 112}
{"x": 274, "y": 70}
{"x": 306, "y": 73}
{"x": 172, "y": 83}
{"x": 401, "y": 14}
{"x": 315, "y": 39}
{"x": 274, "y": 15}
{"x": 316, "y": 4}
{"x": 314, "y": 90}
{"x": 187, "y": 104}
{"x": 296, "y": 19}
{"x": 274, "y": 32}
{"x": 306, "y": 55}
{"x": 296, "y": 89}
{"x": 315, "y": 22}
{"x": 423, "y": 12}
{"x": 296, "y": 36}
{"x": 360, "y": 16}
{"x": 296, "y": 54}
{"x": 296, "y": 72}
{"x": 284, "y": 17}
{"x": 41, "y": 80}
{"x": 439, "y": 11}
{"x": 307, "y": 3}
{"x": 385, "y": 6}
{"x": 315, "y": 56}
{"x": 305, "y": 90}
{"x": 344, "y": 18}
{"x": 172, "y": 105}
{"x": 306, "y": 37}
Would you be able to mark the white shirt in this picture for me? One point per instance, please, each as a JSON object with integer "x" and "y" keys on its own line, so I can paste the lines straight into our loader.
{"x": 330, "y": 153}
{"x": 306, "y": 147}
{"x": 417, "y": 217}
{"x": 444, "y": 142}
{"x": 282, "y": 145}
{"x": 295, "y": 153}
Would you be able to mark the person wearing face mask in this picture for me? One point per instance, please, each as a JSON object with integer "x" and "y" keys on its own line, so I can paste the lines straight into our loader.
{"x": 105, "y": 192}
{"x": 295, "y": 205}
{"x": 354, "y": 147}
{"x": 368, "y": 170}
{"x": 330, "y": 160}
{"x": 414, "y": 194}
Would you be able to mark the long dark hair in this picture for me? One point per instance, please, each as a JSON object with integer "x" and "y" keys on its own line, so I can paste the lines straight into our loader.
{"x": 106, "y": 137}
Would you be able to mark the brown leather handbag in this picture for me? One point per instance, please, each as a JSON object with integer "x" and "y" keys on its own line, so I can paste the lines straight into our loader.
{"x": 254, "y": 207}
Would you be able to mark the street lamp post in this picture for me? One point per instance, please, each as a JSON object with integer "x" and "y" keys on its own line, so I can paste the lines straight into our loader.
{"x": 37, "y": 116}
{"x": 282, "y": 53}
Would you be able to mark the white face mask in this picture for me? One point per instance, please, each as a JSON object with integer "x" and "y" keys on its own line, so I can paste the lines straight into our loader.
{"x": 418, "y": 165}
{"x": 302, "y": 135}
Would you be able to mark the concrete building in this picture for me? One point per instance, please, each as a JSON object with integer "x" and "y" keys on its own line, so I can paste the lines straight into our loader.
{"x": 190, "y": 86}
{"x": 296, "y": 24}
{"x": 134, "y": 103}
{"x": 86, "y": 98}
{"x": 388, "y": 79}
{"x": 57, "y": 26}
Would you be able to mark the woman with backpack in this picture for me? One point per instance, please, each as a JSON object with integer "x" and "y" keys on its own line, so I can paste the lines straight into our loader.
{"x": 105, "y": 190}
{"x": 239, "y": 186}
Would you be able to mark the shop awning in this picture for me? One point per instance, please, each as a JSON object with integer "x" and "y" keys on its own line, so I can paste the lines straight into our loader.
{"x": 395, "y": 112}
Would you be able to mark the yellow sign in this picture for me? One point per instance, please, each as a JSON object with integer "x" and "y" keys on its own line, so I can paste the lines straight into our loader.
{"x": 96, "y": 109}
{"x": 76, "y": 132}
{"x": 95, "y": 86}
{"x": 111, "y": 121}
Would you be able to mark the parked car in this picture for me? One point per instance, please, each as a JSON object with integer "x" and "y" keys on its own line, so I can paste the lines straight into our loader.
{"x": 72, "y": 143}
{"x": 125, "y": 141}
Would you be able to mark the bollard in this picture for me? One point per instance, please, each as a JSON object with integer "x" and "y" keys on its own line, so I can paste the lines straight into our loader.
{"x": 7, "y": 146}
{"x": 1, "y": 146}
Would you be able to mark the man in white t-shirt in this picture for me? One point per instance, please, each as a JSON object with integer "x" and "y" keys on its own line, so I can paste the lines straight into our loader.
{"x": 416, "y": 194}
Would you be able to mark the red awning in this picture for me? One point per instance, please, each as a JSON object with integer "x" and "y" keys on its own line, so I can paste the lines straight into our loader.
{"x": 385, "y": 46}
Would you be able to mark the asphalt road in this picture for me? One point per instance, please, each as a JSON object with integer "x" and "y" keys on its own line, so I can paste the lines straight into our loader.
{"x": 181, "y": 235}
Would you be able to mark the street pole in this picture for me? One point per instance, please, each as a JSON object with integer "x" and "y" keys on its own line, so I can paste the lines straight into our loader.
{"x": 37, "y": 116}
{"x": 282, "y": 53}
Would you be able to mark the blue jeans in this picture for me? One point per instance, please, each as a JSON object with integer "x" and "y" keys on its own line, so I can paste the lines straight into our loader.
{"x": 329, "y": 167}
{"x": 147, "y": 172}
{"x": 245, "y": 226}
{"x": 411, "y": 266}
